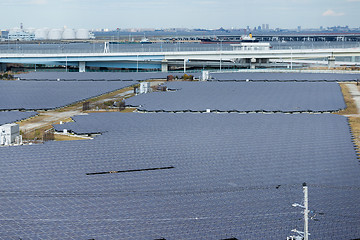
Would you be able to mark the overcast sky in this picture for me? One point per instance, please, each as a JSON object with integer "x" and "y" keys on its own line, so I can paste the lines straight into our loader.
{"x": 114, "y": 14}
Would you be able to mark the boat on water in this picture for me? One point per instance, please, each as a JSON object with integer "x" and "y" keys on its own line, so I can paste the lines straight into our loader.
{"x": 145, "y": 40}
{"x": 230, "y": 40}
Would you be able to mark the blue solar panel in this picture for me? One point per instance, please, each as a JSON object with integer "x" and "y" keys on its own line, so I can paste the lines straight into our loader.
{"x": 14, "y": 116}
{"x": 48, "y": 95}
{"x": 227, "y": 167}
{"x": 98, "y": 76}
{"x": 284, "y": 76}
{"x": 243, "y": 97}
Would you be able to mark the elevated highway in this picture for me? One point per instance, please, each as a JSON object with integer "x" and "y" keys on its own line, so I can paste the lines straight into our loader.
{"x": 181, "y": 59}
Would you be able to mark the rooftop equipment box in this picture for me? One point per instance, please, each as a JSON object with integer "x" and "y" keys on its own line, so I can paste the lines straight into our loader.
{"x": 145, "y": 87}
{"x": 8, "y": 133}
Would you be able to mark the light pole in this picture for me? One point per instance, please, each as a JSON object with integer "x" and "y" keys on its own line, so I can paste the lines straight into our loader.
{"x": 305, "y": 234}
{"x": 291, "y": 63}
{"x": 137, "y": 63}
{"x": 220, "y": 53}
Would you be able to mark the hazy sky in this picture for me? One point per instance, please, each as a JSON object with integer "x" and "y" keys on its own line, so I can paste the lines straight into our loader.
{"x": 178, "y": 13}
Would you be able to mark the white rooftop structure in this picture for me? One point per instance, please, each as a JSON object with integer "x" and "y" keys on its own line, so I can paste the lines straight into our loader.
{"x": 10, "y": 134}
{"x": 21, "y": 35}
{"x": 145, "y": 87}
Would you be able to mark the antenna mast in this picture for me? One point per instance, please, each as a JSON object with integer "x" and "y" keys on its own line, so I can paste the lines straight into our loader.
{"x": 305, "y": 234}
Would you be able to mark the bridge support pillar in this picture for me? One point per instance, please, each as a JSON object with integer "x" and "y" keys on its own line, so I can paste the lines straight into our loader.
{"x": 164, "y": 65}
{"x": 331, "y": 62}
{"x": 252, "y": 63}
{"x": 82, "y": 66}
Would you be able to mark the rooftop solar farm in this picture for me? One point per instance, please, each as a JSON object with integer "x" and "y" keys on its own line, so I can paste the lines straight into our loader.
{"x": 285, "y": 76}
{"x": 96, "y": 76}
{"x": 174, "y": 170}
{"x": 33, "y": 95}
{"x": 243, "y": 97}
{"x": 14, "y": 116}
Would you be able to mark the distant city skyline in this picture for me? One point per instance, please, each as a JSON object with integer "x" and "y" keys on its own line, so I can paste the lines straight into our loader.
{"x": 210, "y": 14}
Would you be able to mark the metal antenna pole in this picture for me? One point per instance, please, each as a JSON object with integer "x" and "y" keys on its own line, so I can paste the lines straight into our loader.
{"x": 306, "y": 212}
{"x": 303, "y": 235}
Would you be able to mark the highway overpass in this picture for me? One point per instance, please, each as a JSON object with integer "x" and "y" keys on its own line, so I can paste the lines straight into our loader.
{"x": 181, "y": 59}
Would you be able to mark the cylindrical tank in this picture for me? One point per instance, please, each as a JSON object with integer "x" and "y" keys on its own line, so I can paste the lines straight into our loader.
{"x": 41, "y": 34}
{"x": 68, "y": 34}
{"x": 55, "y": 34}
{"x": 30, "y": 30}
{"x": 82, "y": 34}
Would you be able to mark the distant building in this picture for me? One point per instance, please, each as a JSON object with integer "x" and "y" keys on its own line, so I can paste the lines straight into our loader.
{"x": 17, "y": 34}
{"x": 299, "y": 28}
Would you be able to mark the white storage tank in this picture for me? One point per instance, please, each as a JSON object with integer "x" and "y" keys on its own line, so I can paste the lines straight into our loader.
{"x": 41, "y": 34}
{"x": 9, "y": 133}
{"x": 31, "y": 30}
{"x": 55, "y": 34}
{"x": 69, "y": 34}
{"x": 82, "y": 34}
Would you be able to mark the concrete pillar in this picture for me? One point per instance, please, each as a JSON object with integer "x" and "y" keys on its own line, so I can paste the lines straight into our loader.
{"x": 82, "y": 66}
{"x": 353, "y": 59}
{"x": 252, "y": 63}
{"x": 164, "y": 65}
{"x": 331, "y": 62}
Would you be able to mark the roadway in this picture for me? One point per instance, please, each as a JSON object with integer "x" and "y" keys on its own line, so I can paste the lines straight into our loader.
{"x": 164, "y": 60}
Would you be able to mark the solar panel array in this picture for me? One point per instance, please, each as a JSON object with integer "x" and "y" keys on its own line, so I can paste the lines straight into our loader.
{"x": 243, "y": 97}
{"x": 98, "y": 76}
{"x": 14, "y": 116}
{"x": 234, "y": 175}
{"x": 284, "y": 76}
{"x": 33, "y": 95}
{"x": 224, "y": 76}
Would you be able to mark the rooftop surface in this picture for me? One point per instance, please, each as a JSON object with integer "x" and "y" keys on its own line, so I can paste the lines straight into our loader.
{"x": 243, "y": 97}
{"x": 233, "y": 175}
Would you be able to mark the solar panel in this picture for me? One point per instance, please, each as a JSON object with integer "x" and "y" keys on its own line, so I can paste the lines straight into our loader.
{"x": 243, "y": 97}
{"x": 284, "y": 76}
{"x": 14, "y": 116}
{"x": 225, "y": 181}
{"x": 32, "y": 95}
{"x": 97, "y": 76}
